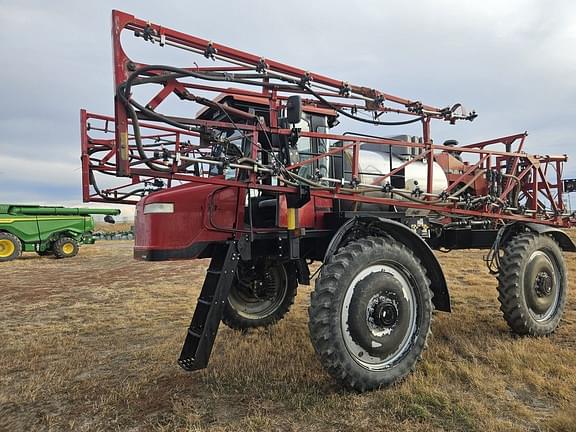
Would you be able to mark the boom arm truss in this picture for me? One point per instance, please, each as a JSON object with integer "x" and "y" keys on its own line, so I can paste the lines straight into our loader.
{"x": 155, "y": 150}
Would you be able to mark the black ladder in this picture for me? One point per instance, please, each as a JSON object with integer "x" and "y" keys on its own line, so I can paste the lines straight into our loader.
{"x": 206, "y": 319}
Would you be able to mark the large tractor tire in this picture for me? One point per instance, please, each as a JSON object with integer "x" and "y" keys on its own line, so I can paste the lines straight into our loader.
{"x": 261, "y": 294}
{"x": 532, "y": 284}
{"x": 370, "y": 313}
{"x": 65, "y": 247}
{"x": 10, "y": 247}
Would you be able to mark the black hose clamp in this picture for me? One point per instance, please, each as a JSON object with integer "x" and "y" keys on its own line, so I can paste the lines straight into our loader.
{"x": 210, "y": 51}
{"x": 345, "y": 89}
{"x": 305, "y": 80}
{"x": 355, "y": 182}
{"x": 415, "y": 107}
{"x": 147, "y": 34}
{"x": 262, "y": 65}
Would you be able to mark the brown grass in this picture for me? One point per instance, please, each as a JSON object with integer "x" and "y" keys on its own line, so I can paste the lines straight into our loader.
{"x": 115, "y": 227}
{"x": 90, "y": 343}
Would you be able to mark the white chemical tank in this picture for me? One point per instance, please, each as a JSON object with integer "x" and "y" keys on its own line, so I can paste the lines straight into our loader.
{"x": 376, "y": 160}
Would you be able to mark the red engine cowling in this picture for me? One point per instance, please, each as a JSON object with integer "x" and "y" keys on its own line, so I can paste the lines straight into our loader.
{"x": 184, "y": 221}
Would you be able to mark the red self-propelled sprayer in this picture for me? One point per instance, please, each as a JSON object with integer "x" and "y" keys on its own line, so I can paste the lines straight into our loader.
{"x": 241, "y": 159}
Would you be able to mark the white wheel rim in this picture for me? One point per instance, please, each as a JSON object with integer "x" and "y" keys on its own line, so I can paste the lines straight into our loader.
{"x": 359, "y": 353}
{"x": 556, "y": 280}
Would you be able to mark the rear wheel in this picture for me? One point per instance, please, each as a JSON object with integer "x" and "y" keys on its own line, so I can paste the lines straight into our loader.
{"x": 65, "y": 247}
{"x": 370, "y": 313}
{"x": 10, "y": 247}
{"x": 261, "y": 294}
{"x": 532, "y": 284}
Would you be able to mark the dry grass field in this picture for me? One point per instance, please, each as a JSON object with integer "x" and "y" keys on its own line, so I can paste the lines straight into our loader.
{"x": 90, "y": 344}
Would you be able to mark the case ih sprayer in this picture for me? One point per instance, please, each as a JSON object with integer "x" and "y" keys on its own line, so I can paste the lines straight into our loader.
{"x": 239, "y": 158}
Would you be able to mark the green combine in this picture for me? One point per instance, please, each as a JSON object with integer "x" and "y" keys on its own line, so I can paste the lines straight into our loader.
{"x": 57, "y": 231}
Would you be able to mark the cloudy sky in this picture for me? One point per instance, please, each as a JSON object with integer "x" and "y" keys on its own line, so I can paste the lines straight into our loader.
{"x": 512, "y": 61}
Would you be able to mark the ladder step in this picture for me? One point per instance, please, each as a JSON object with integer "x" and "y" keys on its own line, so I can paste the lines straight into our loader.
{"x": 209, "y": 308}
{"x": 204, "y": 302}
{"x": 193, "y": 333}
{"x": 214, "y": 272}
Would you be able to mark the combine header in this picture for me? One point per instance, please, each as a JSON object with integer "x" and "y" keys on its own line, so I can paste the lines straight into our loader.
{"x": 241, "y": 159}
{"x": 57, "y": 231}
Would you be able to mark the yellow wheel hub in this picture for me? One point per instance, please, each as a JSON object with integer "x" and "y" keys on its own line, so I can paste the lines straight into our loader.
{"x": 67, "y": 248}
{"x": 7, "y": 248}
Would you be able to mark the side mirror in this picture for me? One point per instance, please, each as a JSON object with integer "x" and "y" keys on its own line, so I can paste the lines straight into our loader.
{"x": 294, "y": 109}
{"x": 109, "y": 219}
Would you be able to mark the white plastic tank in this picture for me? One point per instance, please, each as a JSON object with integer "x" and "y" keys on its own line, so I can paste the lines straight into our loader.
{"x": 377, "y": 160}
{"x": 374, "y": 164}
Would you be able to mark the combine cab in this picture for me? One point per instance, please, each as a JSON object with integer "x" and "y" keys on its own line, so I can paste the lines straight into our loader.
{"x": 264, "y": 180}
{"x": 57, "y": 231}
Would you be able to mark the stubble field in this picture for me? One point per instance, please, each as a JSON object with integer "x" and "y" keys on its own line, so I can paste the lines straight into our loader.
{"x": 90, "y": 343}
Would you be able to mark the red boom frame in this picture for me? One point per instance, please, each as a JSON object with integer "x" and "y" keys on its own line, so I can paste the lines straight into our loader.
{"x": 538, "y": 178}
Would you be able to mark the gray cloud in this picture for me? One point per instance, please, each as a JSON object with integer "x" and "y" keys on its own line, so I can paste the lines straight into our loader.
{"x": 512, "y": 61}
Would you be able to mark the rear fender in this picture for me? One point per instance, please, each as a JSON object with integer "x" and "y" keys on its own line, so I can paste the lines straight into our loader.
{"x": 379, "y": 226}
{"x": 565, "y": 242}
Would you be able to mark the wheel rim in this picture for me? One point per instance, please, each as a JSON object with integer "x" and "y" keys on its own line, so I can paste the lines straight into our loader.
{"x": 67, "y": 248}
{"x": 541, "y": 286}
{"x": 380, "y": 314}
{"x": 7, "y": 248}
{"x": 257, "y": 295}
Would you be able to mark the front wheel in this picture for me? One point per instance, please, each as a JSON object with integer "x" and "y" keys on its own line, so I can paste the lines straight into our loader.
{"x": 261, "y": 294}
{"x": 370, "y": 313}
{"x": 532, "y": 284}
{"x": 65, "y": 247}
{"x": 10, "y": 247}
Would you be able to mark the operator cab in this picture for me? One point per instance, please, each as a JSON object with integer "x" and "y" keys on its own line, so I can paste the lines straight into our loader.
{"x": 264, "y": 205}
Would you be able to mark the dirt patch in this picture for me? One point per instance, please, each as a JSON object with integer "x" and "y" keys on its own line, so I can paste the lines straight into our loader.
{"x": 91, "y": 343}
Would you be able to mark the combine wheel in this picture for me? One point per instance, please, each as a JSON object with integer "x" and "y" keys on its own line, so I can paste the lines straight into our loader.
{"x": 65, "y": 247}
{"x": 261, "y": 294}
{"x": 370, "y": 313}
{"x": 532, "y": 284}
{"x": 10, "y": 247}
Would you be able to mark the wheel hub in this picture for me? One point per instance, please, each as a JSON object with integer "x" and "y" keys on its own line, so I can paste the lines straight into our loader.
{"x": 385, "y": 314}
{"x": 68, "y": 248}
{"x": 383, "y": 310}
{"x": 6, "y": 248}
{"x": 543, "y": 284}
{"x": 260, "y": 289}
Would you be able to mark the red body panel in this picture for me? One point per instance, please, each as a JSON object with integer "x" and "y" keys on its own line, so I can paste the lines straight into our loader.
{"x": 196, "y": 220}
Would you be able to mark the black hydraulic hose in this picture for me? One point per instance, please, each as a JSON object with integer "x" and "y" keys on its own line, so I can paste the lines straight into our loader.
{"x": 117, "y": 198}
{"x": 124, "y": 91}
{"x": 208, "y": 76}
{"x": 124, "y": 95}
{"x": 353, "y": 117}
{"x": 136, "y": 130}
{"x": 228, "y": 77}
